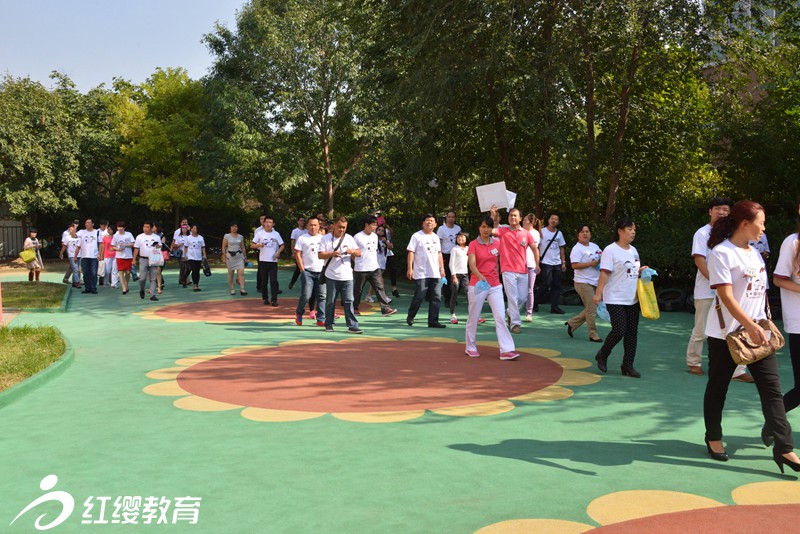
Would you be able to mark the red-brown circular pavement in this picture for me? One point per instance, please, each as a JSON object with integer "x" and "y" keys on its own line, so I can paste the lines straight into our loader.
{"x": 237, "y": 310}
{"x": 722, "y": 520}
{"x": 369, "y": 376}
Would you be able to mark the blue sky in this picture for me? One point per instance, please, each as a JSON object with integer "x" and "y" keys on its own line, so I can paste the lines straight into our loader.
{"x": 93, "y": 41}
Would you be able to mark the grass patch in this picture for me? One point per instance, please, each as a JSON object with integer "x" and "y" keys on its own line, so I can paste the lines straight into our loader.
{"x": 26, "y": 350}
{"x": 33, "y": 295}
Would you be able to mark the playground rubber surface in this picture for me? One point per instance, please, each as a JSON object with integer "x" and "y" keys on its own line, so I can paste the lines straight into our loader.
{"x": 280, "y": 428}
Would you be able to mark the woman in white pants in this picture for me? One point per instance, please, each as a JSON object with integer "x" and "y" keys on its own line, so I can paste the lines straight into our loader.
{"x": 482, "y": 257}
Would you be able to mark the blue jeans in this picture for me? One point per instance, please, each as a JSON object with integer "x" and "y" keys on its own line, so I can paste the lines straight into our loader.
{"x": 89, "y": 268}
{"x": 432, "y": 287}
{"x": 310, "y": 285}
{"x": 75, "y": 269}
{"x": 334, "y": 288}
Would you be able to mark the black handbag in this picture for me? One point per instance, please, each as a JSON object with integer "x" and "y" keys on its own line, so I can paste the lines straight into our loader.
{"x": 206, "y": 268}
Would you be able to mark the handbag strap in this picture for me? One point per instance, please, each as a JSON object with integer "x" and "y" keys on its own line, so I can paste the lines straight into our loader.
{"x": 722, "y": 321}
{"x": 339, "y": 244}
{"x": 550, "y": 243}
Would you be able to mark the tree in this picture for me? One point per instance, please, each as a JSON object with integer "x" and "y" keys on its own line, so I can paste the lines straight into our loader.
{"x": 38, "y": 149}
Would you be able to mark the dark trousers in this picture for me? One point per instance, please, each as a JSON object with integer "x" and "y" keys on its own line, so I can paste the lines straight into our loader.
{"x": 183, "y": 274}
{"x": 460, "y": 286}
{"x": 549, "y": 285}
{"x": 624, "y": 325}
{"x": 195, "y": 266}
{"x": 391, "y": 266}
{"x": 89, "y": 270}
{"x": 792, "y": 398}
{"x": 448, "y": 275}
{"x": 269, "y": 280}
{"x": 375, "y": 279}
{"x": 432, "y": 289}
{"x": 765, "y": 374}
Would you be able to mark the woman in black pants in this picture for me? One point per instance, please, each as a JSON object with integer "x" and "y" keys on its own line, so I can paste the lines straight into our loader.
{"x": 619, "y": 273}
{"x": 737, "y": 272}
{"x": 194, "y": 248}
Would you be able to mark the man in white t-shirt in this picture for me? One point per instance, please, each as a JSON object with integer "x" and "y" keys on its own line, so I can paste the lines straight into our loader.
{"x": 297, "y": 232}
{"x": 553, "y": 263}
{"x": 426, "y": 268}
{"x": 447, "y": 236}
{"x": 337, "y": 250}
{"x": 65, "y": 241}
{"x": 269, "y": 244}
{"x": 367, "y": 268}
{"x": 718, "y": 208}
{"x": 90, "y": 252}
{"x": 306, "y": 254}
{"x": 147, "y": 244}
{"x": 256, "y": 231}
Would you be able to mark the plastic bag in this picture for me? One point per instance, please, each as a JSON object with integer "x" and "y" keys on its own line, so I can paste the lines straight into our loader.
{"x": 648, "y": 274}
{"x": 482, "y": 286}
{"x": 647, "y": 299}
{"x": 602, "y": 312}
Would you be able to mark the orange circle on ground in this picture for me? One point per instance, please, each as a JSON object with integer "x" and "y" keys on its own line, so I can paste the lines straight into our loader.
{"x": 369, "y": 376}
{"x": 760, "y": 518}
{"x": 238, "y": 311}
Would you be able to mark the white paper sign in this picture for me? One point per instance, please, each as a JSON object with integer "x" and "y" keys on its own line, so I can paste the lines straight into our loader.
{"x": 512, "y": 199}
{"x": 492, "y": 194}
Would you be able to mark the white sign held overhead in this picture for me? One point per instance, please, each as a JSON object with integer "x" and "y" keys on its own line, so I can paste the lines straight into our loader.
{"x": 492, "y": 194}
{"x": 512, "y": 199}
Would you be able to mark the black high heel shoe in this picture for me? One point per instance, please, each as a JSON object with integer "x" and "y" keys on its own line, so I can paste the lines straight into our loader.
{"x": 767, "y": 437}
{"x": 630, "y": 371}
{"x": 721, "y": 456}
{"x": 781, "y": 460}
{"x": 601, "y": 363}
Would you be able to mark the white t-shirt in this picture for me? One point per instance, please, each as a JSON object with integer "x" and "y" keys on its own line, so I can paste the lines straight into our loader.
{"x": 458, "y": 260}
{"x": 308, "y": 245}
{"x": 389, "y": 237}
{"x": 89, "y": 243}
{"x": 339, "y": 268}
{"x": 530, "y": 259}
{"x": 623, "y": 266}
{"x": 64, "y": 236}
{"x": 553, "y": 256}
{"x": 787, "y": 269}
{"x": 72, "y": 243}
{"x": 582, "y": 254}
{"x": 194, "y": 247}
{"x": 176, "y": 234}
{"x": 702, "y": 287}
{"x": 368, "y": 244}
{"x": 272, "y": 241}
{"x": 147, "y": 244}
{"x": 744, "y": 271}
{"x": 297, "y": 232}
{"x": 426, "y": 249}
{"x": 123, "y": 240}
{"x": 448, "y": 237}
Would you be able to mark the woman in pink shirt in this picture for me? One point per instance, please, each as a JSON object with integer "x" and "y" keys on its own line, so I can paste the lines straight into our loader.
{"x": 484, "y": 284}
{"x": 109, "y": 258}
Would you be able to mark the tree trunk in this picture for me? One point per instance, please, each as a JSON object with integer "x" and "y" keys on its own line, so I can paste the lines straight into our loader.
{"x": 329, "y": 185}
{"x": 545, "y": 69}
{"x": 591, "y": 106}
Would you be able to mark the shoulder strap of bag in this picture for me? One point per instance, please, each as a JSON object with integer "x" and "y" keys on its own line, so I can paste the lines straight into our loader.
{"x": 339, "y": 244}
{"x": 719, "y": 314}
{"x": 550, "y": 243}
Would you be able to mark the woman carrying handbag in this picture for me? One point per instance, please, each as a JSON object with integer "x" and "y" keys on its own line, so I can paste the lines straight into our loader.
{"x": 737, "y": 273}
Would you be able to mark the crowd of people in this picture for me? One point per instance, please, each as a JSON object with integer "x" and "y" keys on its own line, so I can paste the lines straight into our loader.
{"x": 500, "y": 265}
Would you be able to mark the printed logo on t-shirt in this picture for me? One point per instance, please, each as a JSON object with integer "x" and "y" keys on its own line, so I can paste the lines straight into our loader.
{"x": 756, "y": 284}
{"x": 632, "y": 269}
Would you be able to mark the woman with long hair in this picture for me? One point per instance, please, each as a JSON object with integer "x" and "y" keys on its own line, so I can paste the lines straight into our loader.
{"x": 585, "y": 260}
{"x": 194, "y": 248}
{"x": 177, "y": 250}
{"x": 787, "y": 277}
{"x": 619, "y": 273}
{"x": 233, "y": 254}
{"x": 737, "y": 273}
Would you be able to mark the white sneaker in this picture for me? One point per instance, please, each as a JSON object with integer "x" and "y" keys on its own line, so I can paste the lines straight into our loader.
{"x": 370, "y": 300}
{"x": 453, "y": 319}
{"x": 529, "y": 318}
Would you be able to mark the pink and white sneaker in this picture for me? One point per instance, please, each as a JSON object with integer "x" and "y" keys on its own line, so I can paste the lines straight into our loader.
{"x": 481, "y": 320}
{"x": 509, "y": 355}
{"x": 453, "y": 320}
{"x": 472, "y": 353}
{"x": 313, "y": 315}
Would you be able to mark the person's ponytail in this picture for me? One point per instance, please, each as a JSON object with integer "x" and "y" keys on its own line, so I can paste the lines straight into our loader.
{"x": 722, "y": 230}
{"x": 744, "y": 210}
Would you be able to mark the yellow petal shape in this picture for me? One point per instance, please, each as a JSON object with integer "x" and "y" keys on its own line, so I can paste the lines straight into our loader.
{"x": 634, "y": 504}
{"x": 196, "y": 359}
{"x": 278, "y": 416}
{"x": 494, "y": 344}
{"x": 767, "y": 493}
{"x": 545, "y": 353}
{"x": 305, "y": 342}
{"x": 432, "y": 339}
{"x": 537, "y": 526}
{"x": 548, "y": 394}
{"x": 379, "y": 417}
{"x": 362, "y": 339}
{"x": 475, "y": 410}
{"x": 578, "y": 378}
{"x": 246, "y": 348}
{"x": 572, "y": 363}
{"x": 168, "y": 373}
{"x": 165, "y": 389}
{"x": 201, "y": 404}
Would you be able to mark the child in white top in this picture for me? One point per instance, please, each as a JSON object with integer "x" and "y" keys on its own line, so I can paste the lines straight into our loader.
{"x": 459, "y": 270}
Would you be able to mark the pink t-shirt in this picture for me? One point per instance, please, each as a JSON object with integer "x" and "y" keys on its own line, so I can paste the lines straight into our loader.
{"x": 513, "y": 243}
{"x": 108, "y": 252}
{"x": 485, "y": 260}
